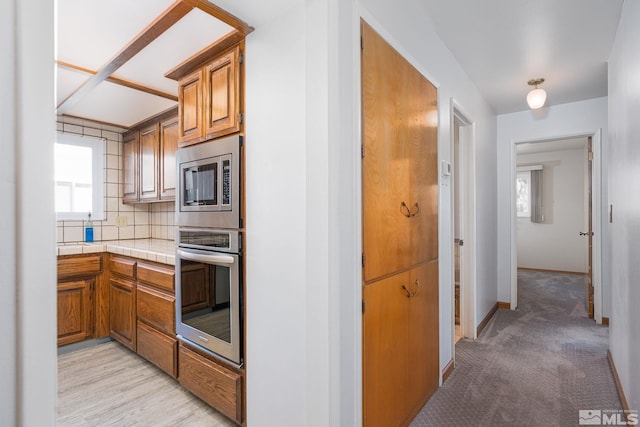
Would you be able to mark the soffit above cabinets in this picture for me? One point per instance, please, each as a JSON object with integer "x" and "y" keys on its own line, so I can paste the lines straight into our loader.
{"x": 91, "y": 33}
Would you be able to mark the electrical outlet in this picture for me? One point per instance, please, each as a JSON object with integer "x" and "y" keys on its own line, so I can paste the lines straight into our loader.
{"x": 121, "y": 221}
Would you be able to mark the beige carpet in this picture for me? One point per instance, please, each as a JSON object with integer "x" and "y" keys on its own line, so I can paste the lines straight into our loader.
{"x": 535, "y": 366}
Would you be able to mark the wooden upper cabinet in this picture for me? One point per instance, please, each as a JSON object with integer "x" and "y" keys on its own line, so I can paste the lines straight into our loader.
{"x": 149, "y": 161}
{"x": 149, "y": 149}
{"x": 210, "y": 100}
{"x": 131, "y": 149}
{"x": 190, "y": 108}
{"x": 168, "y": 148}
{"x": 222, "y": 96}
{"x": 399, "y": 165}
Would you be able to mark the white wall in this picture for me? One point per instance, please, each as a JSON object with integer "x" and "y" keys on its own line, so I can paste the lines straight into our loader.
{"x": 575, "y": 118}
{"x": 27, "y": 230}
{"x": 555, "y": 243}
{"x": 624, "y": 134}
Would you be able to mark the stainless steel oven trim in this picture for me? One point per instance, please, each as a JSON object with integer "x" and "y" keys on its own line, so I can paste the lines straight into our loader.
{"x": 234, "y": 239}
{"x": 230, "y": 351}
{"x": 204, "y": 216}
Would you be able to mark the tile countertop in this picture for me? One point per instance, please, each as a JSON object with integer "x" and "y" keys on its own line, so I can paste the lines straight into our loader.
{"x": 157, "y": 250}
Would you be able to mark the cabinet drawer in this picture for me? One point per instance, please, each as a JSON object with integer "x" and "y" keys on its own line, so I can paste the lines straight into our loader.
{"x": 123, "y": 266}
{"x": 155, "y": 275}
{"x": 158, "y": 348}
{"x": 156, "y": 308}
{"x": 79, "y": 265}
{"x": 216, "y": 385}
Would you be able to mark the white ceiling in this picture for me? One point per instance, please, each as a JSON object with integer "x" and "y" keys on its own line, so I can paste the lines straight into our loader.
{"x": 502, "y": 44}
{"x": 91, "y": 32}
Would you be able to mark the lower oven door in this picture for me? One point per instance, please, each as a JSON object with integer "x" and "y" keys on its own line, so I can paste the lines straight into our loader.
{"x": 209, "y": 301}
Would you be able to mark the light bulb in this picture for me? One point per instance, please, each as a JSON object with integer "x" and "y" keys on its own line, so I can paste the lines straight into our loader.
{"x": 536, "y": 98}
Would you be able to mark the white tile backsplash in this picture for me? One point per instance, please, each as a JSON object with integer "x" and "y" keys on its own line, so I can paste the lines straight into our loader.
{"x": 142, "y": 221}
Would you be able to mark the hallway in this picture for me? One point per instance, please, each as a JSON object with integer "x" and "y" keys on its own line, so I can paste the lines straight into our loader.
{"x": 537, "y": 365}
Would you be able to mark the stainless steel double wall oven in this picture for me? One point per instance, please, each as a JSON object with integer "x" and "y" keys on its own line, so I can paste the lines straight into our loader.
{"x": 209, "y": 300}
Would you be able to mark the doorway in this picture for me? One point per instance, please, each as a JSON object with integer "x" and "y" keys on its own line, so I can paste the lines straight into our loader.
{"x": 463, "y": 222}
{"x": 562, "y": 237}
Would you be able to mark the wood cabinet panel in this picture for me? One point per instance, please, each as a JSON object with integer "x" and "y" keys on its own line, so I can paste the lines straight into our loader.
{"x": 400, "y": 173}
{"x": 400, "y": 338}
{"x": 122, "y": 315}
{"x": 156, "y": 308}
{"x": 130, "y": 156}
{"x": 122, "y": 266}
{"x": 196, "y": 292}
{"x": 149, "y": 150}
{"x": 158, "y": 348}
{"x": 190, "y": 109}
{"x": 168, "y": 148}
{"x": 400, "y": 236}
{"x": 79, "y": 265}
{"x": 156, "y": 275}
{"x": 219, "y": 387}
{"x": 75, "y": 310}
{"x": 222, "y": 95}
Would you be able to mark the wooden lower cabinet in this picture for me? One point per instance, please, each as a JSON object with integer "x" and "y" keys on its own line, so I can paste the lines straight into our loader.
{"x": 216, "y": 385}
{"x": 158, "y": 348}
{"x": 400, "y": 341}
{"x": 83, "y": 304}
{"x": 75, "y": 310}
{"x": 122, "y": 314}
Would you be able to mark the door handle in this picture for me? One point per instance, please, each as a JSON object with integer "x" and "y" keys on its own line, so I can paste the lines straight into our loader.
{"x": 205, "y": 258}
{"x": 585, "y": 233}
{"x": 415, "y": 211}
{"x": 403, "y": 208}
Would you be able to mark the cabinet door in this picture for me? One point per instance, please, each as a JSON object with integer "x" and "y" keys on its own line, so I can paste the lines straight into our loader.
{"x": 156, "y": 308}
{"x": 149, "y": 148}
{"x": 130, "y": 156}
{"x": 168, "y": 148}
{"x": 75, "y": 310}
{"x": 423, "y": 328}
{"x": 158, "y": 348}
{"x": 387, "y": 365}
{"x": 222, "y": 95}
{"x": 122, "y": 315}
{"x": 195, "y": 291}
{"x": 190, "y": 109}
{"x": 400, "y": 342}
{"x": 423, "y": 196}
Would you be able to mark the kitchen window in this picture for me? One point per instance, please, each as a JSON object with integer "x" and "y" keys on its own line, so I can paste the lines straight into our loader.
{"x": 79, "y": 177}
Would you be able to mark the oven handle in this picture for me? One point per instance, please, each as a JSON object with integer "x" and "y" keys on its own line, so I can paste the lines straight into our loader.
{"x": 208, "y": 259}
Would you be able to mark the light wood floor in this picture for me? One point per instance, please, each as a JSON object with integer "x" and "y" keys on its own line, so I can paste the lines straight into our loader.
{"x": 109, "y": 385}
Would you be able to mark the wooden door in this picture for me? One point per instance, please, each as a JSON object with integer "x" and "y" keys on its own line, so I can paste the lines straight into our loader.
{"x": 400, "y": 174}
{"x": 149, "y": 154}
{"x": 75, "y": 310}
{"x": 190, "y": 109}
{"x": 131, "y": 152}
{"x": 400, "y": 238}
{"x": 168, "y": 148}
{"x": 122, "y": 314}
{"x": 222, "y": 95}
{"x": 387, "y": 361}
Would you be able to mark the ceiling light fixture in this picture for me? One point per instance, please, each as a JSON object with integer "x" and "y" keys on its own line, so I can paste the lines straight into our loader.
{"x": 536, "y": 97}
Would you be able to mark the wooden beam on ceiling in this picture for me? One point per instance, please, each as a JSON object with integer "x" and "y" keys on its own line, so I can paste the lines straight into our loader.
{"x": 205, "y": 55}
{"x": 173, "y": 14}
{"x": 119, "y": 81}
{"x": 222, "y": 15}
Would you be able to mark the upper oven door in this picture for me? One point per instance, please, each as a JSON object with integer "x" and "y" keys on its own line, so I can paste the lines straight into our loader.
{"x": 209, "y": 184}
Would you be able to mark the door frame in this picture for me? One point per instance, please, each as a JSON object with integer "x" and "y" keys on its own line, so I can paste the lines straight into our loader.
{"x": 467, "y": 210}
{"x": 596, "y": 208}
